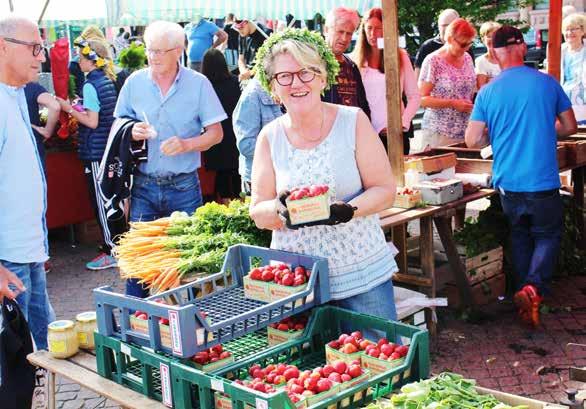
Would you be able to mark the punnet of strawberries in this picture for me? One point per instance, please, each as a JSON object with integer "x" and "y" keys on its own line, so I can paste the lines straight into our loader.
{"x": 281, "y": 274}
{"x": 382, "y": 349}
{"x": 213, "y": 354}
{"x": 303, "y": 192}
{"x": 290, "y": 324}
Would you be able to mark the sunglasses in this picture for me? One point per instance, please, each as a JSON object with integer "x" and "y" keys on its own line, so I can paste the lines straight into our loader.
{"x": 37, "y": 48}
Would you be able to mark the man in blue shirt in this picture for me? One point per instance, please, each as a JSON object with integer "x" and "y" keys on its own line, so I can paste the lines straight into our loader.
{"x": 23, "y": 193}
{"x": 200, "y": 36}
{"x": 524, "y": 111}
{"x": 181, "y": 117}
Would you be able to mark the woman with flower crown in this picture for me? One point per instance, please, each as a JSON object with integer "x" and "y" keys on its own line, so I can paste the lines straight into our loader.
{"x": 316, "y": 142}
{"x": 95, "y": 119}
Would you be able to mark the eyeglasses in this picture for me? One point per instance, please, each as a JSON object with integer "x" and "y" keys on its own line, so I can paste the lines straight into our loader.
{"x": 464, "y": 45}
{"x": 37, "y": 48}
{"x": 573, "y": 29}
{"x": 158, "y": 52}
{"x": 285, "y": 78}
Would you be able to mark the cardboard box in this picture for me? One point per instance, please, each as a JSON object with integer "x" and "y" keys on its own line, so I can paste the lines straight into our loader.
{"x": 377, "y": 366}
{"x": 309, "y": 209}
{"x": 313, "y": 399}
{"x": 222, "y": 401}
{"x": 256, "y": 289}
{"x": 514, "y": 400}
{"x": 276, "y": 337}
{"x": 142, "y": 326}
{"x": 407, "y": 201}
{"x": 335, "y": 355}
{"x": 430, "y": 164}
{"x": 278, "y": 292}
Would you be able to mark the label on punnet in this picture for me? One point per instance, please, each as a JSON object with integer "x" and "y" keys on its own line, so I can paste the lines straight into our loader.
{"x": 166, "y": 385}
{"x": 261, "y": 404}
{"x": 218, "y": 385}
{"x": 175, "y": 332}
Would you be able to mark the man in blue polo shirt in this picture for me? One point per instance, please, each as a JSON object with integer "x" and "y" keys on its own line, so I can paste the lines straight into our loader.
{"x": 184, "y": 112}
{"x": 200, "y": 37}
{"x": 524, "y": 111}
{"x": 23, "y": 192}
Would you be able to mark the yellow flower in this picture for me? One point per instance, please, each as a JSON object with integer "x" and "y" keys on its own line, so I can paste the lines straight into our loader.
{"x": 86, "y": 49}
{"x": 100, "y": 62}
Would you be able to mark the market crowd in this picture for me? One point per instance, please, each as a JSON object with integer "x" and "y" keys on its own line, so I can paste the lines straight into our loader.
{"x": 268, "y": 111}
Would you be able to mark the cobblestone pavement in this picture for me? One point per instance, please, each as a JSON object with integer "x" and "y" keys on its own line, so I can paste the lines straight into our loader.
{"x": 498, "y": 351}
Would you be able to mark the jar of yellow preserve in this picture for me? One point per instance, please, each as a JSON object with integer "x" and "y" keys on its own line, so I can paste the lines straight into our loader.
{"x": 62, "y": 339}
{"x": 85, "y": 326}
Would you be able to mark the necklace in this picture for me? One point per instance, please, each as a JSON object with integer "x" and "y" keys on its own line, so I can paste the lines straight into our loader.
{"x": 321, "y": 125}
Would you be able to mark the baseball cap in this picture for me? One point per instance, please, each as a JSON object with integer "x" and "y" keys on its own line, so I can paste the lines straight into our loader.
{"x": 240, "y": 23}
{"x": 507, "y": 35}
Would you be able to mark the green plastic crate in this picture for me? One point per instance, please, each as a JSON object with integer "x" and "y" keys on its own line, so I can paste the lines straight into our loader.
{"x": 139, "y": 368}
{"x": 306, "y": 352}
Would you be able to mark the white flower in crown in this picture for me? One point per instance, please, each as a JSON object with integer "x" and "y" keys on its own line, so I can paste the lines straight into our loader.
{"x": 92, "y": 55}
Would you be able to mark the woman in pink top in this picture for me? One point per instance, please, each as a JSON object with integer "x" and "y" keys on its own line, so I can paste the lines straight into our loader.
{"x": 369, "y": 59}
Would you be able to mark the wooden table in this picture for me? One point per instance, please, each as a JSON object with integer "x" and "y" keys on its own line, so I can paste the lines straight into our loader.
{"x": 81, "y": 368}
{"x": 396, "y": 219}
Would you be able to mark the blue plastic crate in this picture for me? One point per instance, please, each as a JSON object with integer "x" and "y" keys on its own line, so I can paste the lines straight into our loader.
{"x": 220, "y": 296}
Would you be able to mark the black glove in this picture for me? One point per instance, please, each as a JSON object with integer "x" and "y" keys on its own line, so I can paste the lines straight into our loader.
{"x": 340, "y": 212}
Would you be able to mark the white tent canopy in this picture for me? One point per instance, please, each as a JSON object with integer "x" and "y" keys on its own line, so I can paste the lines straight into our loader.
{"x": 58, "y": 12}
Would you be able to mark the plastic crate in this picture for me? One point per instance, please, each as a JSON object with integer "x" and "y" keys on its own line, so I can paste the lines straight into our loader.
{"x": 192, "y": 389}
{"x": 221, "y": 296}
{"x": 140, "y": 369}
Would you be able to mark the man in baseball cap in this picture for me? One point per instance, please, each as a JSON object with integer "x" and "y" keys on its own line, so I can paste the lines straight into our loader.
{"x": 525, "y": 111}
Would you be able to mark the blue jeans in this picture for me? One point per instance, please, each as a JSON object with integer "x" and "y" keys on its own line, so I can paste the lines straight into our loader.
{"x": 155, "y": 197}
{"x": 536, "y": 229}
{"x": 379, "y": 302}
{"x": 34, "y": 302}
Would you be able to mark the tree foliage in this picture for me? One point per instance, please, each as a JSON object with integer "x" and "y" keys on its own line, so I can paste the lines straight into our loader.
{"x": 418, "y": 19}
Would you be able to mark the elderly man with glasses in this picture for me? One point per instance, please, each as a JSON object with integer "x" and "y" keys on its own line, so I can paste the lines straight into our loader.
{"x": 23, "y": 231}
{"x": 180, "y": 117}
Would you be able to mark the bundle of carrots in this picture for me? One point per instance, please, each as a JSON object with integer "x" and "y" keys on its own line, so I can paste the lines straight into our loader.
{"x": 159, "y": 253}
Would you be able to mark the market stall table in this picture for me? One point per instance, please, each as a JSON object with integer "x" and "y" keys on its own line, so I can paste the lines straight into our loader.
{"x": 81, "y": 368}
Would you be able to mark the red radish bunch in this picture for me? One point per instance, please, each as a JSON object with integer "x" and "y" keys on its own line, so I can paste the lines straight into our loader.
{"x": 406, "y": 191}
{"x": 349, "y": 344}
{"x": 386, "y": 350}
{"x": 281, "y": 274}
{"x": 308, "y": 191}
{"x": 274, "y": 374}
{"x": 213, "y": 354}
{"x": 339, "y": 371}
{"x": 290, "y": 324}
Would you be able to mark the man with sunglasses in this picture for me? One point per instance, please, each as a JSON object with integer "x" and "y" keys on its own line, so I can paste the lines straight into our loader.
{"x": 23, "y": 230}
{"x": 180, "y": 116}
{"x": 525, "y": 111}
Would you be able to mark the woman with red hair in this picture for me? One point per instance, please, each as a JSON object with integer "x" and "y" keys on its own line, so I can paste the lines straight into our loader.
{"x": 369, "y": 59}
{"x": 447, "y": 84}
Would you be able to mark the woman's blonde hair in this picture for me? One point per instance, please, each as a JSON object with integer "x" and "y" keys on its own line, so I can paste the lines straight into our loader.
{"x": 92, "y": 33}
{"x": 488, "y": 28}
{"x": 102, "y": 48}
{"x": 304, "y": 53}
{"x": 575, "y": 19}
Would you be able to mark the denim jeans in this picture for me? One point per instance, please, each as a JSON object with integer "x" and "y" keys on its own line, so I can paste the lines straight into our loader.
{"x": 536, "y": 229}
{"x": 155, "y": 197}
{"x": 34, "y": 302}
{"x": 379, "y": 302}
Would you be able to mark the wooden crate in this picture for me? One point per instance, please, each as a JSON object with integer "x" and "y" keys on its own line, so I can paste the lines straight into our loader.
{"x": 465, "y": 165}
{"x": 562, "y": 156}
{"x": 461, "y": 150}
{"x": 483, "y": 292}
{"x": 485, "y": 265}
{"x": 575, "y": 151}
{"x": 430, "y": 162}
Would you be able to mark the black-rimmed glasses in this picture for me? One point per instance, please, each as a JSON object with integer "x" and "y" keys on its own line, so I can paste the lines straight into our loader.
{"x": 37, "y": 48}
{"x": 285, "y": 78}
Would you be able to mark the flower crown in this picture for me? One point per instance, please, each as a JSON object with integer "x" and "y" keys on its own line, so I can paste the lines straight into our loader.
{"x": 87, "y": 52}
{"x": 302, "y": 35}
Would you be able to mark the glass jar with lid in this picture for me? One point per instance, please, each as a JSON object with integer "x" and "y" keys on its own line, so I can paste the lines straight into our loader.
{"x": 62, "y": 339}
{"x": 85, "y": 326}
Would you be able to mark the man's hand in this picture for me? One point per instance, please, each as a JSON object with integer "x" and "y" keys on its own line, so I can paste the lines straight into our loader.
{"x": 462, "y": 105}
{"x": 8, "y": 277}
{"x": 174, "y": 146}
{"x": 245, "y": 75}
{"x": 141, "y": 131}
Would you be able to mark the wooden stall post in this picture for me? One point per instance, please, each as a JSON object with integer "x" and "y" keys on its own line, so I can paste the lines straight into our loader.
{"x": 555, "y": 38}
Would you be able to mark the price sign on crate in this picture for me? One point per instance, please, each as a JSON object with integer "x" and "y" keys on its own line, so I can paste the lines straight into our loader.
{"x": 166, "y": 385}
{"x": 175, "y": 332}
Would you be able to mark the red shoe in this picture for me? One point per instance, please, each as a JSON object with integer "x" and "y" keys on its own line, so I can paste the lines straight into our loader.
{"x": 528, "y": 301}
